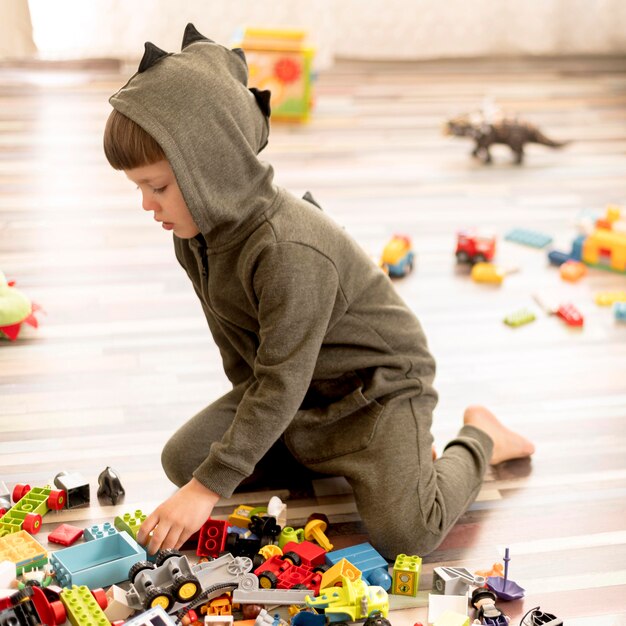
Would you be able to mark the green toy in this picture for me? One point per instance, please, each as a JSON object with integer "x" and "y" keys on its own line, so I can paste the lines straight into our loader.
{"x": 15, "y": 309}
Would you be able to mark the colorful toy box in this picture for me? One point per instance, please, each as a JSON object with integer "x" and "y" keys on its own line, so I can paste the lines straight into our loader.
{"x": 280, "y": 60}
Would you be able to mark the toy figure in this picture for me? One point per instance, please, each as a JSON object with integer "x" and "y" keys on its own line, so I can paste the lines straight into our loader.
{"x": 109, "y": 485}
{"x": 486, "y": 130}
{"x": 15, "y": 309}
{"x": 489, "y": 614}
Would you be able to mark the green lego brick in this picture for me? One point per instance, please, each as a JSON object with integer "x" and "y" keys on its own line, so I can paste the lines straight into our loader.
{"x": 520, "y": 317}
{"x": 406, "y": 573}
{"x": 130, "y": 522}
{"x": 82, "y": 608}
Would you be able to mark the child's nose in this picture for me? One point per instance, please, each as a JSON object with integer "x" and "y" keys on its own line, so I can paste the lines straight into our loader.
{"x": 148, "y": 203}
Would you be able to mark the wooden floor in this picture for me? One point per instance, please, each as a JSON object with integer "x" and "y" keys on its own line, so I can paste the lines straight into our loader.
{"x": 123, "y": 355}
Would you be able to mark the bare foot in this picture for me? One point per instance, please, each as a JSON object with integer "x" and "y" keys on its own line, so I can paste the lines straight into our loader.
{"x": 506, "y": 443}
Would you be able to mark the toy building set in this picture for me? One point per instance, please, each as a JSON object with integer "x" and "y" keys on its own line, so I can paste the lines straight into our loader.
{"x": 257, "y": 570}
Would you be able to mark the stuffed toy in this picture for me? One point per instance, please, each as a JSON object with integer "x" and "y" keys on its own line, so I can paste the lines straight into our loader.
{"x": 15, "y": 309}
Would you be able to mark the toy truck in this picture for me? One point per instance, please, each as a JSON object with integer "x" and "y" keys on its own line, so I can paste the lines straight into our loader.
{"x": 398, "y": 257}
{"x": 29, "y": 508}
{"x": 353, "y": 601}
{"x": 472, "y": 247}
{"x": 300, "y": 567}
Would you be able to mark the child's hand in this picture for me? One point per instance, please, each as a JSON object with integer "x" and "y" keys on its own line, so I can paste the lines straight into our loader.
{"x": 176, "y": 519}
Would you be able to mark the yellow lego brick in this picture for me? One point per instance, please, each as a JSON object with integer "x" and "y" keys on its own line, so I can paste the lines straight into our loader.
{"x": 608, "y": 298}
{"x": 21, "y": 549}
{"x": 240, "y": 516}
{"x": 406, "y": 575}
{"x": 82, "y": 608}
{"x": 333, "y": 575}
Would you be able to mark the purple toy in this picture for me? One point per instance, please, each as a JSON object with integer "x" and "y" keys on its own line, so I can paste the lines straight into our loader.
{"x": 505, "y": 589}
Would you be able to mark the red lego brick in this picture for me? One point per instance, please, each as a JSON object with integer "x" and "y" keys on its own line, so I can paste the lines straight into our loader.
{"x": 212, "y": 538}
{"x": 65, "y": 534}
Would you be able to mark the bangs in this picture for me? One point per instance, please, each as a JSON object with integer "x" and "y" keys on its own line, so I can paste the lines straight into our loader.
{"x": 127, "y": 145}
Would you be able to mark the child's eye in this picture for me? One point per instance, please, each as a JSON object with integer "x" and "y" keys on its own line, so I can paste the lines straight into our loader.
{"x": 159, "y": 190}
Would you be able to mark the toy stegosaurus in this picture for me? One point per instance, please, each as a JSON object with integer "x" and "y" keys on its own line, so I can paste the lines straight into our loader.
{"x": 487, "y": 129}
{"x": 15, "y": 309}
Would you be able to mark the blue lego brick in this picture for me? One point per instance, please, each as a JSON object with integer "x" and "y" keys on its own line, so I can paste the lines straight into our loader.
{"x": 97, "y": 531}
{"x": 528, "y": 237}
{"x": 97, "y": 563}
{"x": 577, "y": 248}
{"x": 374, "y": 568}
{"x": 619, "y": 311}
{"x": 556, "y": 257}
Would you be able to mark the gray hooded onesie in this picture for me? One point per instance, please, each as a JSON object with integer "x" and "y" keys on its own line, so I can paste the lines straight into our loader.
{"x": 322, "y": 352}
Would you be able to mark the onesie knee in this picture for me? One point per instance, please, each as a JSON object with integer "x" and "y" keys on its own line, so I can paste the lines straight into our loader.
{"x": 407, "y": 541}
{"x": 174, "y": 465}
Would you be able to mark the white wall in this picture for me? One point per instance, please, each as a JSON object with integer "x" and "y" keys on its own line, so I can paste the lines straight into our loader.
{"x": 364, "y": 29}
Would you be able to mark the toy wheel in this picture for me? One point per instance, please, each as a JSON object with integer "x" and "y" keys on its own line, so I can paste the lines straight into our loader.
{"x": 268, "y": 580}
{"x": 57, "y": 499}
{"x": 100, "y": 597}
{"x": 140, "y": 566}
{"x": 301, "y": 587}
{"x": 320, "y": 569}
{"x": 186, "y": 588}
{"x": 479, "y": 258}
{"x": 462, "y": 257}
{"x": 163, "y": 555}
{"x": 158, "y": 596}
{"x": 293, "y": 558}
{"x": 32, "y": 523}
{"x": 19, "y": 491}
{"x": 257, "y": 560}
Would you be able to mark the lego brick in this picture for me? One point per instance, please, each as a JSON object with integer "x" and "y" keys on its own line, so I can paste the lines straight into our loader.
{"x": 438, "y": 605}
{"x": 371, "y": 563}
{"x": 607, "y": 298}
{"x": 82, "y": 608}
{"x": 97, "y": 531}
{"x": 117, "y": 607}
{"x": 406, "y": 573}
{"x": 212, "y": 538}
{"x": 519, "y": 318}
{"x": 452, "y": 618}
{"x": 130, "y": 522}
{"x": 572, "y": 271}
{"x": 7, "y": 574}
{"x": 333, "y": 575}
{"x": 154, "y": 617}
{"x": 65, "y": 534}
{"x": 75, "y": 487}
{"x": 270, "y": 596}
{"x": 97, "y": 563}
{"x": 527, "y": 237}
{"x": 240, "y": 516}
{"x": 23, "y": 550}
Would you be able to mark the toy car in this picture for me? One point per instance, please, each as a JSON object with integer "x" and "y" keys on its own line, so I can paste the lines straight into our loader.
{"x": 397, "y": 258}
{"x": 472, "y": 247}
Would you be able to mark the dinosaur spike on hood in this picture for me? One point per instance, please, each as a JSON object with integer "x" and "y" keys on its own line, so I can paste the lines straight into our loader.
{"x": 153, "y": 54}
{"x": 192, "y": 35}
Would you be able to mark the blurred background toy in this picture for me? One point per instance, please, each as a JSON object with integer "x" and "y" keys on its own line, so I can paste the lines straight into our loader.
{"x": 474, "y": 247}
{"x": 15, "y": 309}
{"x": 398, "y": 257}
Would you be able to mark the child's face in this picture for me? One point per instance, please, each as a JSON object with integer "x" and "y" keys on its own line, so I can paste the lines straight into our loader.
{"x": 160, "y": 193}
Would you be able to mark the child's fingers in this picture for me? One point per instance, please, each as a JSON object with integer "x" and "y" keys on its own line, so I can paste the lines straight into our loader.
{"x": 147, "y": 527}
{"x": 172, "y": 538}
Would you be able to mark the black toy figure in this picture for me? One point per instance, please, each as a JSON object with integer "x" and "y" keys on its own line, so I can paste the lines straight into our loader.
{"x": 486, "y": 130}
{"x": 109, "y": 485}
{"x": 484, "y": 601}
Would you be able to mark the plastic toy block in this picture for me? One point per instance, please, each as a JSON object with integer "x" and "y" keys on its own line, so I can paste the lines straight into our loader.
{"x": 117, "y": 607}
{"x": 154, "y": 617}
{"x": 240, "y": 516}
{"x": 7, "y": 574}
{"x": 570, "y": 315}
{"x": 65, "y": 534}
{"x": 556, "y": 257}
{"x": 452, "y": 618}
{"x": 608, "y": 298}
{"x": 97, "y": 563}
{"x": 82, "y": 608}
{"x": 526, "y": 237}
{"x": 270, "y": 596}
{"x": 519, "y": 318}
{"x": 439, "y": 604}
{"x": 619, "y": 311}
{"x": 130, "y": 522}
{"x": 219, "y": 620}
{"x": 374, "y": 568}
{"x": 572, "y": 271}
{"x": 344, "y": 568}
{"x": 76, "y": 488}
{"x": 23, "y": 550}
{"x": 406, "y": 574}
{"x": 454, "y": 581}
{"x": 212, "y": 538}
{"x": 97, "y": 531}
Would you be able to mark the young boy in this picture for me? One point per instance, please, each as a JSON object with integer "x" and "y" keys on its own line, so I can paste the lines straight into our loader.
{"x": 329, "y": 367}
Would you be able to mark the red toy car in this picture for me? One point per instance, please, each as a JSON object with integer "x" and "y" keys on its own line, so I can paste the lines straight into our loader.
{"x": 472, "y": 247}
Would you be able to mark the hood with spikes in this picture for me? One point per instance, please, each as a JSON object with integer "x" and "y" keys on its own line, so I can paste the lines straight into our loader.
{"x": 197, "y": 105}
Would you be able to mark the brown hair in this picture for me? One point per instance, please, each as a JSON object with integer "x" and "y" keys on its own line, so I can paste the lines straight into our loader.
{"x": 127, "y": 145}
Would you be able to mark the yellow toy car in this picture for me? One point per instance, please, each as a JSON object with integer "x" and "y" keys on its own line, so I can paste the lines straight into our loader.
{"x": 397, "y": 259}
